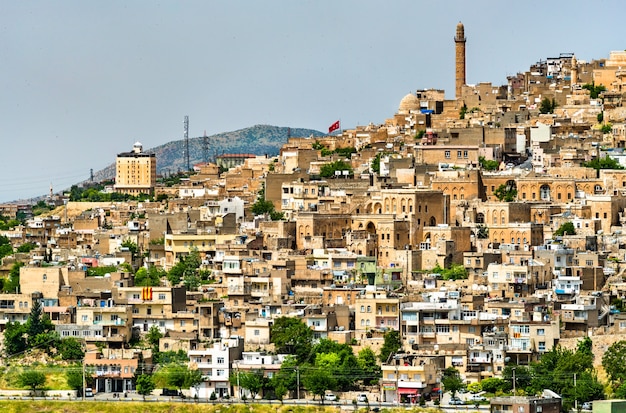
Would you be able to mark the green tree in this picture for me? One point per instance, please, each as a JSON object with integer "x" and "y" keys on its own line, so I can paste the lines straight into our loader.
{"x": 74, "y": 378}
{"x": 606, "y": 128}
{"x": 172, "y": 376}
{"x": 131, "y": 245}
{"x": 144, "y": 385}
{"x": 505, "y": 193}
{"x": 475, "y": 387}
{"x": 614, "y": 362}
{"x": 287, "y": 376}
{"x": 547, "y": 106}
{"x": 452, "y": 380}
{"x": 152, "y": 337}
{"x": 32, "y": 379}
{"x": 603, "y": 163}
{"x": 70, "y": 349}
{"x": 494, "y": 384}
{"x": 317, "y": 381}
{"x": 594, "y": 91}
{"x": 253, "y": 381}
{"x": 488, "y": 165}
{"x": 150, "y": 277}
{"x": 12, "y": 285}
{"x": 375, "y": 164}
{"x": 39, "y": 328}
{"x": 369, "y": 366}
{"x": 328, "y": 170}
{"x": 26, "y": 247}
{"x": 463, "y": 112}
{"x": 6, "y": 248}
{"x": 391, "y": 344}
{"x": 261, "y": 206}
{"x": 291, "y": 335}
{"x": 14, "y": 338}
{"x": 566, "y": 228}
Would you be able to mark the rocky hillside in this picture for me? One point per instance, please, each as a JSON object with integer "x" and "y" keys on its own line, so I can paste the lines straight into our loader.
{"x": 258, "y": 140}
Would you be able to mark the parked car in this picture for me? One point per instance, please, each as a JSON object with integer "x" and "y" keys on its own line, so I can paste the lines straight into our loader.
{"x": 330, "y": 397}
{"x": 586, "y": 406}
{"x": 477, "y": 398}
{"x": 456, "y": 401}
{"x": 361, "y": 398}
{"x": 88, "y": 392}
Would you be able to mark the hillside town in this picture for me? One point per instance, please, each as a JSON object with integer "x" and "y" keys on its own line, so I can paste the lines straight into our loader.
{"x": 480, "y": 232}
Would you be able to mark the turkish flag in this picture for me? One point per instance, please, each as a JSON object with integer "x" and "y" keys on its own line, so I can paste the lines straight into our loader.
{"x": 333, "y": 127}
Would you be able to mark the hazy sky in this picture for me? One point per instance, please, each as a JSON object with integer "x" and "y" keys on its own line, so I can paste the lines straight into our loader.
{"x": 81, "y": 81}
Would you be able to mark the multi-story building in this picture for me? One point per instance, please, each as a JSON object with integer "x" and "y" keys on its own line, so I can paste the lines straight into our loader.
{"x": 135, "y": 172}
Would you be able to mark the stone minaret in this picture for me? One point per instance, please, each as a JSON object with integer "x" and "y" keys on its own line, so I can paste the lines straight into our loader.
{"x": 574, "y": 72}
{"x": 459, "y": 42}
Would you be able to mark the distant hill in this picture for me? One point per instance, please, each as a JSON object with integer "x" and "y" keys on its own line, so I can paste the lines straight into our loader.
{"x": 258, "y": 140}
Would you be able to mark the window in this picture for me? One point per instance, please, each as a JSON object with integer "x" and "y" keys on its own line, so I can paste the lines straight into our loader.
{"x": 369, "y": 308}
{"x": 220, "y": 360}
{"x": 220, "y": 373}
{"x": 85, "y": 317}
{"x": 447, "y": 154}
{"x": 541, "y": 332}
{"x": 136, "y": 296}
{"x": 465, "y": 154}
{"x": 541, "y": 346}
{"x": 66, "y": 333}
{"x": 182, "y": 323}
{"x": 458, "y": 154}
{"x": 257, "y": 332}
{"x": 362, "y": 308}
{"x": 161, "y": 296}
{"x": 161, "y": 323}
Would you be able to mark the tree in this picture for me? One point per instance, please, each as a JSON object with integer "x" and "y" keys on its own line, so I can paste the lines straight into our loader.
{"x": 474, "y": 387}
{"x": 5, "y": 246}
{"x": 150, "y": 277}
{"x": 328, "y": 170}
{"x": 606, "y": 128}
{"x": 375, "y": 165}
{"x": 391, "y": 344}
{"x": 603, "y": 163}
{"x": 71, "y": 349}
{"x": 317, "y": 381}
{"x": 494, "y": 384}
{"x": 74, "y": 378}
{"x": 594, "y": 91}
{"x": 292, "y": 336}
{"x": 26, "y": 247}
{"x": 152, "y": 337}
{"x": 14, "y": 338}
{"x": 32, "y": 379}
{"x": 131, "y": 245}
{"x": 488, "y": 165}
{"x": 452, "y": 380}
{"x": 370, "y": 368}
{"x": 614, "y": 362}
{"x": 13, "y": 283}
{"x": 505, "y": 193}
{"x": 547, "y": 106}
{"x": 566, "y": 228}
{"x": 253, "y": 381}
{"x": 144, "y": 385}
{"x": 39, "y": 328}
{"x": 287, "y": 376}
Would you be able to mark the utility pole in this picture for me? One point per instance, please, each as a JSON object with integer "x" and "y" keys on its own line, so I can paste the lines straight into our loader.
{"x": 84, "y": 381}
{"x": 575, "y": 395}
{"x": 513, "y": 381}
{"x": 297, "y": 383}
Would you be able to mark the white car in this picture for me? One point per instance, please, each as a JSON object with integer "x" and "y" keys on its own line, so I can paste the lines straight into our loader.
{"x": 330, "y": 397}
{"x": 361, "y": 398}
{"x": 477, "y": 398}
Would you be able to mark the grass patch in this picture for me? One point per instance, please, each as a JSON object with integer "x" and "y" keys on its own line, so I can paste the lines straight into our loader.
{"x": 26, "y": 406}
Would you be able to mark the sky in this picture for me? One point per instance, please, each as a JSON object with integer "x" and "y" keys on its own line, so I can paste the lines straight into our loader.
{"x": 81, "y": 81}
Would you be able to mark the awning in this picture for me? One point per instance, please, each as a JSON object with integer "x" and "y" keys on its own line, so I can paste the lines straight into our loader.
{"x": 407, "y": 391}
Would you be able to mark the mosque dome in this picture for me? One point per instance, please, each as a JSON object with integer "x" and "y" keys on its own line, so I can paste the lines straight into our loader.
{"x": 409, "y": 102}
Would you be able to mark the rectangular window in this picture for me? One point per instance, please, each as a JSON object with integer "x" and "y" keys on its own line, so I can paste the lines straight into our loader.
{"x": 85, "y": 317}
{"x": 220, "y": 360}
{"x": 541, "y": 332}
{"x": 161, "y": 296}
{"x": 447, "y": 154}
